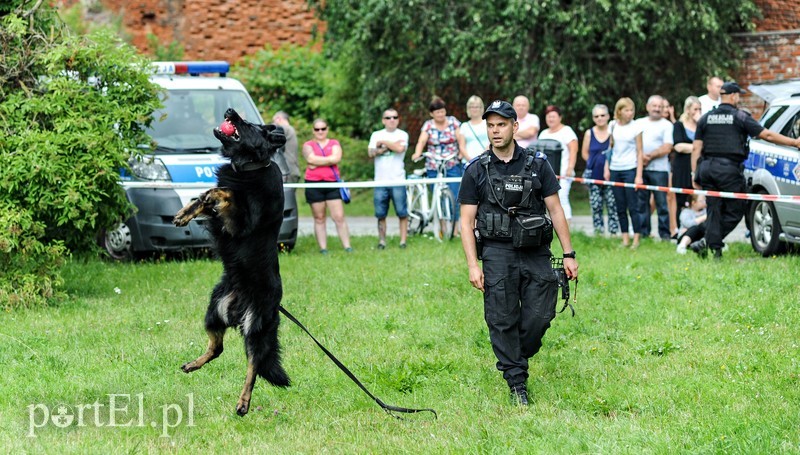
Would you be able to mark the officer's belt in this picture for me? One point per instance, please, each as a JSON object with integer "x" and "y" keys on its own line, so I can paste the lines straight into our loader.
{"x": 724, "y": 159}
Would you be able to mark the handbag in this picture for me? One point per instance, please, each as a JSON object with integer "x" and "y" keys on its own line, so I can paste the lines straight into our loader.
{"x": 609, "y": 152}
{"x": 344, "y": 192}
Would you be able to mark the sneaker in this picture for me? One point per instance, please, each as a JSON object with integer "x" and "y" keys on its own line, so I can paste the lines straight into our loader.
{"x": 323, "y": 251}
{"x": 381, "y": 246}
{"x": 519, "y": 394}
{"x": 681, "y": 249}
{"x": 349, "y": 249}
{"x": 700, "y": 248}
{"x": 402, "y": 246}
{"x": 717, "y": 255}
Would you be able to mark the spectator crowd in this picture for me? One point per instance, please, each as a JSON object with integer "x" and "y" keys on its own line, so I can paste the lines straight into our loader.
{"x": 654, "y": 149}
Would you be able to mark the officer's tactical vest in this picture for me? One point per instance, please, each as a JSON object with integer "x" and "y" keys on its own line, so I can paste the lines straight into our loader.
{"x": 511, "y": 196}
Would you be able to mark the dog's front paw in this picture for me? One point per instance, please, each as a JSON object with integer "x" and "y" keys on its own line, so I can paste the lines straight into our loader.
{"x": 188, "y": 367}
{"x": 185, "y": 215}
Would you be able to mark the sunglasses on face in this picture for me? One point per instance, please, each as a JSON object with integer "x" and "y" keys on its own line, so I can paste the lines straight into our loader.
{"x": 599, "y": 115}
{"x": 321, "y": 129}
{"x": 390, "y": 117}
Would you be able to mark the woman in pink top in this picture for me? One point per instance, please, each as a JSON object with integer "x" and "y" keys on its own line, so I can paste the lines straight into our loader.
{"x": 323, "y": 155}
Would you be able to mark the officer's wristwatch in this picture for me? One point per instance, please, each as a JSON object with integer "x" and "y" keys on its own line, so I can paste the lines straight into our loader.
{"x": 570, "y": 255}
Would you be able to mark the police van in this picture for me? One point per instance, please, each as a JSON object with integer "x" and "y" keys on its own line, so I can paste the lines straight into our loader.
{"x": 184, "y": 161}
{"x": 775, "y": 169}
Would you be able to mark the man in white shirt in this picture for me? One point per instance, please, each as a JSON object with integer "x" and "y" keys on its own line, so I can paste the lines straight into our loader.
{"x": 528, "y": 123}
{"x": 388, "y": 147}
{"x": 711, "y": 100}
{"x": 656, "y": 145}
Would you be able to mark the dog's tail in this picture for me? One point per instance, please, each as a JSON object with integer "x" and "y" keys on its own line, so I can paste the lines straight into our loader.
{"x": 275, "y": 374}
{"x": 266, "y": 354}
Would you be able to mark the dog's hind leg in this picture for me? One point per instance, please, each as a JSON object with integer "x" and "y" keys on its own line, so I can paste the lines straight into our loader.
{"x": 243, "y": 406}
{"x": 212, "y": 352}
{"x": 216, "y": 322}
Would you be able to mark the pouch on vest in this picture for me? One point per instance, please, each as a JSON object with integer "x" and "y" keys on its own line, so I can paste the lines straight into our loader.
{"x": 512, "y": 190}
{"x": 529, "y": 231}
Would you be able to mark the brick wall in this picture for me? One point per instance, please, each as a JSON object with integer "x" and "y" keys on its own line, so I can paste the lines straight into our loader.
{"x": 215, "y": 30}
{"x": 772, "y": 52}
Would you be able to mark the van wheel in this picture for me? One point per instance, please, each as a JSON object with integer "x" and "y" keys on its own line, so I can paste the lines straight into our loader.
{"x": 765, "y": 229}
{"x": 117, "y": 242}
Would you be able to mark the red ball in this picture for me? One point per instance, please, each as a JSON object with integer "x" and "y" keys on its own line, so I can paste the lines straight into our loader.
{"x": 227, "y": 128}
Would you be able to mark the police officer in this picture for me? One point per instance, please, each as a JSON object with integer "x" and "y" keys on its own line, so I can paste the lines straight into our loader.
{"x": 504, "y": 196}
{"x": 719, "y": 149}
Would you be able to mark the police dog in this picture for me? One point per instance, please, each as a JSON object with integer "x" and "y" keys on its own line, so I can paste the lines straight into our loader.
{"x": 245, "y": 213}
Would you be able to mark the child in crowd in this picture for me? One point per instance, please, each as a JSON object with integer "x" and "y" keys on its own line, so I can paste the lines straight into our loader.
{"x": 693, "y": 222}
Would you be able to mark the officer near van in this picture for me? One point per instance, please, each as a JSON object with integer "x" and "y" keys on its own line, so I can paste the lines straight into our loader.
{"x": 718, "y": 153}
{"x": 505, "y": 195}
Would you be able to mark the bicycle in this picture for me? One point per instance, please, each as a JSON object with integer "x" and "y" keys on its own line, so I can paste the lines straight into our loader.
{"x": 435, "y": 207}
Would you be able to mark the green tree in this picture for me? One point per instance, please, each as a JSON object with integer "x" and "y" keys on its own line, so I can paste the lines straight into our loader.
{"x": 71, "y": 112}
{"x": 573, "y": 54}
{"x": 288, "y": 78}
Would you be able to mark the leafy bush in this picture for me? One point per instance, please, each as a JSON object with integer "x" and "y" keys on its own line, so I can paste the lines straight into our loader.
{"x": 71, "y": 115}
{"x": 287, "y": 79}
{"x": 28, "y": 267}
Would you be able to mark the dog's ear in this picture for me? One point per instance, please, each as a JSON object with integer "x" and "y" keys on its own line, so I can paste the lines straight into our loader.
{"x": 274, "y": 135}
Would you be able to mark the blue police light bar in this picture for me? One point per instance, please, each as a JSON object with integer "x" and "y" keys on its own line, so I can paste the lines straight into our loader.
{"x": 192, "y": 68}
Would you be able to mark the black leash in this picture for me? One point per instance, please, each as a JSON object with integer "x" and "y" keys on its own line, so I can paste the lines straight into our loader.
{"x": 386, "y": 407}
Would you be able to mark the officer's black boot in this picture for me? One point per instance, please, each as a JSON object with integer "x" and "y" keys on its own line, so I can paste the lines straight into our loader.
{"x": 717, "y": 255}
{"x": 700, "y": 248}
{"x": 519, "y": 394}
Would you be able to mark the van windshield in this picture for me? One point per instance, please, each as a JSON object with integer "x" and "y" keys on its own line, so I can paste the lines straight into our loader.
{"x": 187, "y": 121}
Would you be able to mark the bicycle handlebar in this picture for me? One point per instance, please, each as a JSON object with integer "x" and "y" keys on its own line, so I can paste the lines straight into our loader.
{"x": 430, "y": 155}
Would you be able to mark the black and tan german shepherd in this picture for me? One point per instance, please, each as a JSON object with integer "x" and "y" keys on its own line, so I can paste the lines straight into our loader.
{"x": 245, "y": 213}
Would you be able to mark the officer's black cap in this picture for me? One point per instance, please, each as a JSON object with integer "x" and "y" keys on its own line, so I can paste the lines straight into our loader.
{"x": 729, "y": 88}
{"x": 501, "y": 108}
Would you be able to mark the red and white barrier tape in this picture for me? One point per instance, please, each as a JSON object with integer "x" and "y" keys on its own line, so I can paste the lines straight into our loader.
{"x": 669, "y": 189}
{"x": 430, "y": 181}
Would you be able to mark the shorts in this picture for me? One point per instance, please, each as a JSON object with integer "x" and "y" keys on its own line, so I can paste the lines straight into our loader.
{"x": 321, "y": 194}
{"x": 398, "y": 196}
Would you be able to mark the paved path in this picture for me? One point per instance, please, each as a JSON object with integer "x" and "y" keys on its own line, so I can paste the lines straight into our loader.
{"x": 364, "y": 225}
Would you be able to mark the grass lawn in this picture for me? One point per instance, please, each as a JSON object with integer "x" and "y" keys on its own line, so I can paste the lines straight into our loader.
{"x": 667, "y": 354}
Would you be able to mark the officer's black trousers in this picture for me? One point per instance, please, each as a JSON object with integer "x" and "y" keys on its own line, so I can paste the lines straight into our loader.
{"x": 724, "y": 214}
{"x": 519, "y": 303}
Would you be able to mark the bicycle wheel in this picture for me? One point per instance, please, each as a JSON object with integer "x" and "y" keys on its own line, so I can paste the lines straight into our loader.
{"x": 444, "y": 224}
{"x": 416, "y": 220}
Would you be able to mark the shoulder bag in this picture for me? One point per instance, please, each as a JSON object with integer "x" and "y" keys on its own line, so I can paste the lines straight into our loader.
{"x": 344, "y": 192}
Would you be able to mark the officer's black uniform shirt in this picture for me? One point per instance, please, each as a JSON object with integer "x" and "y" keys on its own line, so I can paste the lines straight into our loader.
{"x": 724, "y": 132}
{"x": 475, "y": 176}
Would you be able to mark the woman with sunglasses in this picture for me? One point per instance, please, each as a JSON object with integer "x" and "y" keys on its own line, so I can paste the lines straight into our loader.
{"x": 596, "y": 143}
{"x": 323, "y": 155}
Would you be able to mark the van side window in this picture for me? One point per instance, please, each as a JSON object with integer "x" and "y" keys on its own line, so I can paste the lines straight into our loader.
{"x": 792, "y": 128}
{"x": 772, "y": 115}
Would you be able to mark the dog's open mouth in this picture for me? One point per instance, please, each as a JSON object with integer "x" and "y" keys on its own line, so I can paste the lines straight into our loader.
{"x": 227, "y": 128}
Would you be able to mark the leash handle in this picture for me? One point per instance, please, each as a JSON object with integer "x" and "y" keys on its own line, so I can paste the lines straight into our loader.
{"x": 386, "y": 407}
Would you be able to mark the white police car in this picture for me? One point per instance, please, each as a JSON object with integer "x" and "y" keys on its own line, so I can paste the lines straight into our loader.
{"x": 775, "y": 169}
{"x": 185, "y": 159}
